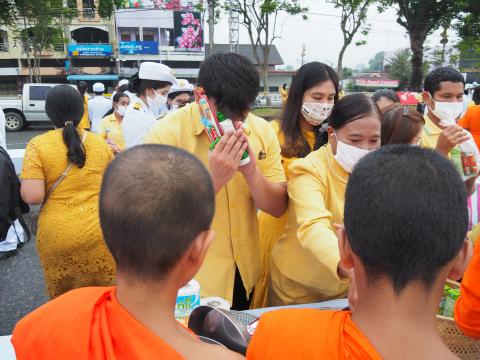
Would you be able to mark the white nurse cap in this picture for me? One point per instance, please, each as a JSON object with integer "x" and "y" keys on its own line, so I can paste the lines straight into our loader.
{"x": 157, "y": 72}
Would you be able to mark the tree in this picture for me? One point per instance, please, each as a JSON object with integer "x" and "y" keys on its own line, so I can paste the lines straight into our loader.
{"x": 420, "y": 18}
{"x": 260, "y": 19}
{"x": 376, "y": 63}
{"x": 7, "y": 15}
{"x": 400, "y": 68}
{"x": 107, "y": 7}
{"x": 353, "y": 19}
{"x": 46, "y": 20}
{"x": 468, "y": 29}
{"x": 347, "y": 72}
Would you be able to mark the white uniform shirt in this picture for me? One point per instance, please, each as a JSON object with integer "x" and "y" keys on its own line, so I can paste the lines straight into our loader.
{"x": 97, "y": 107}
{"x": 138, "y": 120}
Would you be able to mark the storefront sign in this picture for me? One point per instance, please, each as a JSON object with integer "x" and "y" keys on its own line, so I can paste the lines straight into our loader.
{"x": 90, "y": 50}
{"x": 138, "y": 47}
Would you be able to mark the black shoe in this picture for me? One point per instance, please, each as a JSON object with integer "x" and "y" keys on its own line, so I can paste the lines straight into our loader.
{"x": 6, "y": 254}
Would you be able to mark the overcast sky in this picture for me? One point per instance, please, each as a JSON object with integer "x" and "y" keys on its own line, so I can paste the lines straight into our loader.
{"x": 323, "y": 38}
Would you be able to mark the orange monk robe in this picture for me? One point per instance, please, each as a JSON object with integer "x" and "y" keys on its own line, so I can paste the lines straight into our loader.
{"x": 467, "y": 308}
{"x": 309, "y": 334}
{"x": 87, "y": 323}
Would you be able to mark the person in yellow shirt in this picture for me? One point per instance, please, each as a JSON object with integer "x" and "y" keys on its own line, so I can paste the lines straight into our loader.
{"x": 305, "y": 260}
{"x": 284, "y": 93}
{"x": 313, "y": 92}
{"x": 231, "y": 83}
{"x": 443, "y": 95}
{"x": 110, "y": 127}
{"x": 82, "y": 87}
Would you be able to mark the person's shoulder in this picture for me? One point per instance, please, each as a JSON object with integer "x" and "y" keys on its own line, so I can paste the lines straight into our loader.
{"x": 180, "y": 120}
{"x": 45, "y": 139}
{"x": 313, "y": 162}
{"x": 73, "y": 305}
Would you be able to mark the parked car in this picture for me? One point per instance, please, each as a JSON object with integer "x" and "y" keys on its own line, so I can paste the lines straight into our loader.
{"x": 262, "y": 100}
{"x": 28, "y": 108}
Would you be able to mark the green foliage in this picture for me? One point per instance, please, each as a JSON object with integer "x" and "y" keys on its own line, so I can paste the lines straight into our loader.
{"x": 347, "y": 72}
{"x": 376, "y": 63}
{"x": 400, "y": 68}
{"x": 353, "y": 19}
{"x": 7, "y": 12}
{"x": 107, "y": 7}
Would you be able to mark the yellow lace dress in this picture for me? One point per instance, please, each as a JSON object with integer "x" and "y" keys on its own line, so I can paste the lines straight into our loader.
{"x": 69, "y": 239}
{"x": 271, "y": 228}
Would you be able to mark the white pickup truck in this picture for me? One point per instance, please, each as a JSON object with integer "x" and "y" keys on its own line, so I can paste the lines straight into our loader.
{"x": 28, "y": 108}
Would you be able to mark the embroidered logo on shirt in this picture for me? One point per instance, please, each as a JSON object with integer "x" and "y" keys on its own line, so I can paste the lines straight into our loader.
{"x": 136, "y": 106}
{"x": 262, "y": 155}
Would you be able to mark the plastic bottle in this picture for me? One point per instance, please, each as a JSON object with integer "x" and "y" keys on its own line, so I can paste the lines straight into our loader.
{"x": 188, "y": 298}
{"x": 227, "y": 125}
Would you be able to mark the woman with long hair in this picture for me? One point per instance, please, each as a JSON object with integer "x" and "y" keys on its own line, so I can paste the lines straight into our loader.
{"x": 402, "y": 125}
{"x": 69, "y": 239}
{"x": 313, "y": 92}
{"x": 305, "y": 260}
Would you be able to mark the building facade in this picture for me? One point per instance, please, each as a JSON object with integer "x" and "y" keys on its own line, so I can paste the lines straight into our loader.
{"x": 99, "y": 49}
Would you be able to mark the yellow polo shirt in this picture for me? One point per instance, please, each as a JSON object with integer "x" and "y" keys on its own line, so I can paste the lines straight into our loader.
{"x": 235, "y": 221}
{"x": 305, "y": 259}
{"x": 430, "y": 135}
{"x": 110, "y": 128}
{"x": 85, "y": 121}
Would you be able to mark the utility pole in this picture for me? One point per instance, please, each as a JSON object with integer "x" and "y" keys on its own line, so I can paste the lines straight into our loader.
{"x": 211, "y": 25}
{"x": 304, "y": 51}
{"x": 234, "y": 29}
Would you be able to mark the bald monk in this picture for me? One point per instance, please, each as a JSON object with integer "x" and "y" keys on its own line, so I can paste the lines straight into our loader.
{"x": 156, "y": 208}
{"x": 467, "y": 308}
{"x": 406, "y": 222}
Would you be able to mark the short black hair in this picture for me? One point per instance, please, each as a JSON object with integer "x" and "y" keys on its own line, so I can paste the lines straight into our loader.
{"x": 433, "y": 80}
{"x": 140, "y": 86}
{"x": 173, "y": 95}
{"x": 82, "y": 86}
{"x": 405, "y": 214}
{"x": 154, "y": 201}
{"x": 231, "y": 80}
{"x": 385, "y": 93}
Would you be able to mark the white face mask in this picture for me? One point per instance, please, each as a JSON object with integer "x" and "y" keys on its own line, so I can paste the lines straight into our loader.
{"x": 316, "y": 113}
{"x": 347, "y": 155}
{"x": 447, "y": 112}
{"x": 174, "y": 107}
{"x": 121, "y": 110}
{"x": 156, "y": 103}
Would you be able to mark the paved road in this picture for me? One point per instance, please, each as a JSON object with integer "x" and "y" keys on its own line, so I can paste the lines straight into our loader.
{"x": 21, "y": 286}
{"x": 19, "y": 140}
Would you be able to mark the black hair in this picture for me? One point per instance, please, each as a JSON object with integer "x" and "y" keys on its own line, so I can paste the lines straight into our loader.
{"x": 139, "y": 86}
{"x": 123, "y": 88}
{"x": 231, "y": 80}
{"x": 116, "y": 98}
{"x": 284, "y": 86}
{"x": 64, "y": 106}
{"x": 385, "y": 93}
{"x": 476, "y": 96}
{"x": 347, "y": 109}
{"x": 437, "y": 76}
{"x": 99, "y": 93}
{"x": 173, "y": 95}
{"x": 396, "y": 222}
{"x": 82, "y": 86}
{"x": 308, "y": 76}
{"x": 154, "y": 201}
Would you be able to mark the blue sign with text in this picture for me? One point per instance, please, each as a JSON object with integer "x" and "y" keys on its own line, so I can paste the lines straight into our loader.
{"x": 94, "y": 50}
{"x": 138, "y": 47}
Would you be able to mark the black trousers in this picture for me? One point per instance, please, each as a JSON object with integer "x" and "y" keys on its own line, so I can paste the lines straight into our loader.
{"x": 240, "y": 301}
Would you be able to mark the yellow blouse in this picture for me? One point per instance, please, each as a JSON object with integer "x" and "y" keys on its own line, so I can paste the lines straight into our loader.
{"x": 271, "y": 228}
{"x": 110, "y": 129}
{"x": 85, "y": 122}
{"x": 306, "y": 257}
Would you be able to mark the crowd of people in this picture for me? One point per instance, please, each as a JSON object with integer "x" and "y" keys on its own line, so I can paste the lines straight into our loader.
{"x": 342, "y": 196}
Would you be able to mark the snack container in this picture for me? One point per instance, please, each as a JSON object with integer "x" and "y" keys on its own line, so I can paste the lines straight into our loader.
{"x": 188, "y": 298}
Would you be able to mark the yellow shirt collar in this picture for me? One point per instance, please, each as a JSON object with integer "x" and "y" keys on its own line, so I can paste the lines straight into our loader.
{"x": 430, "y": 127}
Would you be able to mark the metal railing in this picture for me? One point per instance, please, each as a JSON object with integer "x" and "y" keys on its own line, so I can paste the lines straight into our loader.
{"x": 88, "y": 13}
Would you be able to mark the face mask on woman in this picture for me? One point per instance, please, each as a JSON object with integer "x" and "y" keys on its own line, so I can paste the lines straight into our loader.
{"x": 316, "y": 113}
{"x": 156, "y": 103}
{"x": 347, "y": 155}
{"x": 121, "y": 109}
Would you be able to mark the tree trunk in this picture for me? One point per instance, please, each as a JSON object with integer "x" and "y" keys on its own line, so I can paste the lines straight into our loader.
{"x": 417, "y": 39}
{"x": 340, "y": 61}
{"x": 211, "y": 25}
{"x": 266, "y": 56}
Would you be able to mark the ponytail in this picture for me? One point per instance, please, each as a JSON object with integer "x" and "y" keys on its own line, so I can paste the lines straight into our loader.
{"x": 75, "y": 150}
